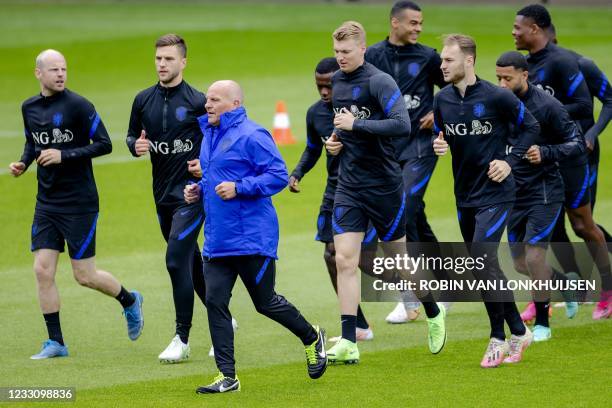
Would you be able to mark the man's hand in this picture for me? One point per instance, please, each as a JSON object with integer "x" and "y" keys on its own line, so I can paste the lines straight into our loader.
{"x": 226, "y": 190}
{"x": 48, "y": 157}
{"x": 294, "y": 184}
{"x": 193, "y": 166}
{"x": 17, "y": 168}
{"x": 333, "y": 145}
{"x": 427, "y": 121}
{"x": 440, "y": 146}
{"x": 344, "y": 120}
{"x": 590, "y": 146}
{"x": 142, "y": 144}
{"x": 192, "y": 193}
{"x": 498, "y": 170}
{"x": 533, "y": 155}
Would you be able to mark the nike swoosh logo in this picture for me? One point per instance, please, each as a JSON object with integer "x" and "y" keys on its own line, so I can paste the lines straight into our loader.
{"x": 93, "y": 115}
{"x": 184, "y": 212}
{"x": 223, "y": 389}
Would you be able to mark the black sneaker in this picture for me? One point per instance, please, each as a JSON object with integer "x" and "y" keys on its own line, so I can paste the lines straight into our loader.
{"x": 316, "y": 357}
{"x": 220, "y": 384}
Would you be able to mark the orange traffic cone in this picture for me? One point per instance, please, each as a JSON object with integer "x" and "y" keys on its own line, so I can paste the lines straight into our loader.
{"x": 282, "y": 128}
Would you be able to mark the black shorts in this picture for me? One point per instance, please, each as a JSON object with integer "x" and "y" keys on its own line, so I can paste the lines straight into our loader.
{"x": 383, "y": 207}
{"x": 533, "y": 224}
{"x": 576, "y": 180}
{"x": 50, "y": 230}
{"x": 416, "y": 173}
{"x": 326, "y": 235}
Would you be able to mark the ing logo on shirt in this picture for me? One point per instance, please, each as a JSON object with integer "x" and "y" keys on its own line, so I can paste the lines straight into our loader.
{"x": 363, "y": 113}
{"x": 412, "y": 101}
{"x": 57, "y": 136}
{"x": 178, "y": 147}
{"x": 548, "y": 89}
{"x": 461, "y": 129}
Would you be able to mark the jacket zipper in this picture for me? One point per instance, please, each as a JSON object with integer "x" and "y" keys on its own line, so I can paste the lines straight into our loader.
{"x": 165, "y": 112}
{"x": 544, "y": 188}
{"x": 396, "y": 66}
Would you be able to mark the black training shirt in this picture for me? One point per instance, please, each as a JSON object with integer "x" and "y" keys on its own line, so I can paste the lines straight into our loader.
{"x": 478, "y": 128}
{"x": 368, "y": 158}
{"x": 169, "y": 118}
{"x": 68, "y": 122}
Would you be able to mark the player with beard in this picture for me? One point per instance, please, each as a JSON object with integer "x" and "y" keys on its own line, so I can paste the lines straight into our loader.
{"x": 539, "y": 186}
{"x": 475, "y": 118}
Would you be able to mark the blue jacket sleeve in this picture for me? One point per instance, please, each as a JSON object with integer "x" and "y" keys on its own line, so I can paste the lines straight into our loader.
{"x": 268, "y": 165}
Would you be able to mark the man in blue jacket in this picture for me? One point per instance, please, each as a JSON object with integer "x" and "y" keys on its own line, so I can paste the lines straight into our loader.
{"x": 241, "y": 170}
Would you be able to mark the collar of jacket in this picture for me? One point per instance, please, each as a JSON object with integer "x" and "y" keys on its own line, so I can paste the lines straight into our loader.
{"x": 226, "y": 120}
{"x": 165, "y": 90}
{"x": 468, "y": 89}
{"x": 400, "y": 49}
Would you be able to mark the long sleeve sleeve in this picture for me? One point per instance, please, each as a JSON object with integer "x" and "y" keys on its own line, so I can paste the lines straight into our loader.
{"x": 397, "y": 122}
{"x": 572, "y": 144}
{"x": 269, "y": 166}
{"x": 575, "y": 93}
{"x": 312, "y": 152}
{"x": 134, "y": 127}
{"x": 29, "y": 151}
{"x": 100, "y": 141}
{"x": 527, "y": 127}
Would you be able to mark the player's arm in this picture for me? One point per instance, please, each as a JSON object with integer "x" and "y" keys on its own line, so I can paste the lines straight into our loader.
{"x": 95, "y": 130}
{"x": 271, "y": 172}
{"x": 389, "y": 97}
{"x": 575, "y": 93}
{"x": 136, "y": 139}
{"x": 440, "y": 145}
{"x": 311, "y": 153}
{"x": 573, "y": 143}
{"x": 526, "y": 126}
{"x": 29, "y": 151}
{"x": 599, "y": 86}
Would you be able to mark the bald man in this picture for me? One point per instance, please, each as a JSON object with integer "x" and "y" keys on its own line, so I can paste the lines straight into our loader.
{"x": 63, "y": 133}
{"x": 241, "y": 170}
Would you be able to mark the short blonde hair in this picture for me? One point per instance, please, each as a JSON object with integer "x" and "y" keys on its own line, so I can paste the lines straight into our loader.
{"x": 466, "y": 44}
{"x": 350, "y": 30}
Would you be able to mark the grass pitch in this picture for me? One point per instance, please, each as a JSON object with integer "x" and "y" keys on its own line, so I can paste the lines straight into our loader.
{"x": 271, "y": 50}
